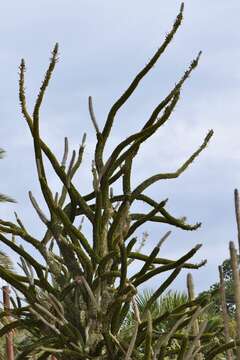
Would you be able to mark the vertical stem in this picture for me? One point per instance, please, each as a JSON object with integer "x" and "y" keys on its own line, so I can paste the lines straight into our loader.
{"x": 9, "y": 336}
{"x": 236, "y": 283}
{"x": 191, "y": 296}
{"x": 229, "y": 354}
{"x": 237, "y": 212}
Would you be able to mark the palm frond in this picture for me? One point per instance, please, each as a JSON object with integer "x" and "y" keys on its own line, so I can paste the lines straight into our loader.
{"x": 2, "y": 153}
{"x": 5, "y": 198}
{"x": 5, "y": 261}
{"x": 167, "y": 302}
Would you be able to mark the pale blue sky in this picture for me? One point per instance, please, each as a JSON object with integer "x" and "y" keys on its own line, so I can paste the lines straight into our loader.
{"x": 102, "y": 46}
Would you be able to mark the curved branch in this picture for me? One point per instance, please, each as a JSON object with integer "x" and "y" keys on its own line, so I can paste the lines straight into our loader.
{"x": 73, "y": 193}
{"x": 167, "y": 219}
{"x": 142, "y": 257}
{"x": 124, "y": 97}
{"x": 177, "y": 263}
{"x": 144, "y": 218}
{"x": 148, "y": 182}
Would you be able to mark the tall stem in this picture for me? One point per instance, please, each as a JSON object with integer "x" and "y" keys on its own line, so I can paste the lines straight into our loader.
{"x": 236, "y": 283}
{"x": 229, "y": 354}
{"x": 191, "y": 296}
{"x": 237, "y": 213}
{"x": 9, "y": 336}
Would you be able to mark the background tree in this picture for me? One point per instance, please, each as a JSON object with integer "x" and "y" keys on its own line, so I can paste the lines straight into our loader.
{"x": 227, "y": 273}
{"x": 228, "y": 280}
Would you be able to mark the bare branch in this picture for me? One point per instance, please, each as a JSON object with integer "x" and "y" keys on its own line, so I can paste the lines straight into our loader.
{"x": 65, "y": 154}
{"x": 19, "y": 221}
{"x": 145, "y": 218}
{"x": 40, "y": 213}
{"x": 145, "y": 184}
{"x": 92, "y": 115}
{"x": 46, "y": 80}
{"x": 123, "y": 98}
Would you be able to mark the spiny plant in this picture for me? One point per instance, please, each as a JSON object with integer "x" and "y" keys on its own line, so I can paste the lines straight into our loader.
{"x": 169, "y": 302}
{"x": 75, "y": 301}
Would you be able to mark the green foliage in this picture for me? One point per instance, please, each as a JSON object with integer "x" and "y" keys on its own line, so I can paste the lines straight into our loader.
{"x": 4, "y": 198}
{"x": 5, "y": 261}
{"x": 229, "y": 289}
{"x": 168, "y": 303}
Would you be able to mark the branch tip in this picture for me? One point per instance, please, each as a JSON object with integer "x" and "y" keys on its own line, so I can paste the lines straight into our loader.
{"x": 84, "y": 139}
{"x": 161, "y": 241}
{"x": 65, "y": 153}
{"x": 55, "y": 53}
{"x": 92, "y": 115}
{"x": 22, "y": 65}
